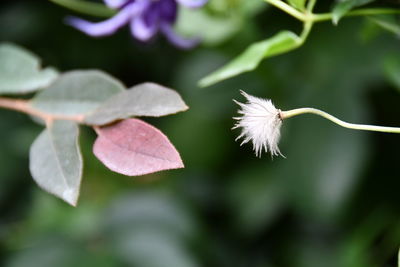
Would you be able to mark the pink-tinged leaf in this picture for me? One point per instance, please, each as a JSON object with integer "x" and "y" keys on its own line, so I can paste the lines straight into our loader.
{"x": 133, "y": 147}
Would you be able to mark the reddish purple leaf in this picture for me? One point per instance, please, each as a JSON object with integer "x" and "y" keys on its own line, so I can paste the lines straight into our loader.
{"x": 133, "y": 147}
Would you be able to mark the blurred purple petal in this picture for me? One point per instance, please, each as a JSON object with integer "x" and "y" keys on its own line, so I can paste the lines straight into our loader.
{"x": 142, "y": 30}
{"x": 177, "y": 40}
{"x": 109, "y": 26}
{"x": 116, "y": 3}
{"x": 192, "y": 3}
{"x": 168, "y": 10}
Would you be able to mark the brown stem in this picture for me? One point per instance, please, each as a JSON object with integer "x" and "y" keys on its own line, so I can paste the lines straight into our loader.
{"x": 25, "y": 107}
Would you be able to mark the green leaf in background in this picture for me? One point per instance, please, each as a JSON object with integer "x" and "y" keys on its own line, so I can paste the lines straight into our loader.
{"x": 341, "y": 8}
{"x": 257, "y": 197}
{"x": 211, "y": 29}
{"x": 281, "y": 42}
{"x": 299, "y": 4}
{"x": 144, "y": 208}
{"x": 56, "y": 162}
{"x": 20, "y": 71}
{"x": 146, "y": 99}
{"x": 149, "y": 247}
{"x": 77, "y": 92}
{"x": 87, "y": 7}
{"x": 387, "y": 22}
{"x": 150, "y": 229}
{"x": 392, "y": 70}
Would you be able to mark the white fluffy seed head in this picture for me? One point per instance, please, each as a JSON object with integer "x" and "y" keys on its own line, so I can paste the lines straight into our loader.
{"x": 260, "y": 123}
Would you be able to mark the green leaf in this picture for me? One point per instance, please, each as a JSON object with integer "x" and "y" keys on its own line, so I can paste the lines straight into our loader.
{"x": 87, "y": 7}
{"x": 388, "y": 23}
{"x": 211, "y": 29}
{"x": 150, "y": 228}
{"x": 280, "y": 43}
{"x": 341, "y": 8}
{"x": 20, "y": 71}
{"x": 77, "y": 93}
{"x": 56, "y": 162}
{"x": 299, "y": 4}
{"x": 146, "y": 99}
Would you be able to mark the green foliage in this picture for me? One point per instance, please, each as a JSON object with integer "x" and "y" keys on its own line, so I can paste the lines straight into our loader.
{"x": 332, "y": 202}
{"x": 86, "y": 7}
{"x": 56, "y": 162}
{"x": 77, "y": 92}
{"x": 344, "y": 6}
{"x": 280, "y": 43}
{"x": 55, "y": 159}
{"x": 146, "y": 99}
{"x": 299, "y": 4}
{"x": 388, "y": 23}
{"x": 20, "y": 71}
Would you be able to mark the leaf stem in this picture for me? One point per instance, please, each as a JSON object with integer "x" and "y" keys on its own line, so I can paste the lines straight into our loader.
{"x": 364, "y": 127}
{"x": 25, "y": 107}
{"x": 357, "y": 12}
{"x": 309, "y": 16}
{"x": 287, "y": 8}
{"x": 87, "y": 8}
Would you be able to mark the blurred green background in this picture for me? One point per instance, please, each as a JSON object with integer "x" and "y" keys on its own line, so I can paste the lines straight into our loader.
{"x": 333, "y": 201}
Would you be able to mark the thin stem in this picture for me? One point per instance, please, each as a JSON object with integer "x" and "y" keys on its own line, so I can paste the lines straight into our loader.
{"x": 287, "y": 8}
{"x": 357, "y": 12}
{"x": 310, "y": 5}
{"x": 309, "y": 16}
{"x": 86, "y": 7}
{"x": 25, "y": 107}
{"x": 364, "y": 127}
{"x": 306, "y": 31}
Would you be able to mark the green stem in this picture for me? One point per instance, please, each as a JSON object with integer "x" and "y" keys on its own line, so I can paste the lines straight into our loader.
{"x": 309, "y": 16}
{"x": 87, "y": 8}
{"x": 310, "y": 5}
{"x": 287, "y": 8}
{"x": 357, "y": 12}
{"x": 306, "y": 31}
{"x": 364, "y": 127}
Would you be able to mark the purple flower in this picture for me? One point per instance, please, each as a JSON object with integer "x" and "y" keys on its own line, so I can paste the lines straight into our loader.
{"x": 145, "y": 17}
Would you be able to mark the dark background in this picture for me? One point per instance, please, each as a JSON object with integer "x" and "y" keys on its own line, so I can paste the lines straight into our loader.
{"x": 333, "y": 201}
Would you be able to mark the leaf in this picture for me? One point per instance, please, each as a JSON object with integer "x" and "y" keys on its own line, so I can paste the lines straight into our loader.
{"x": 56, "y": 162}
{"x": 146, "y": 99}
{"x": 341, "y": 8}
{"x": 211, "y": 29}
{"x": 20, "y": 71}
{"x": 133, "y": 147}
{"x": 144, "y": 207}
{"x": 77, "y": 93}
{"x": 87, "y": 7}
{"x": 299, "y": 4}
{"x": 388, "y": 23}
{"x": 151, "y": 247}
{"x": 280, "y": 43}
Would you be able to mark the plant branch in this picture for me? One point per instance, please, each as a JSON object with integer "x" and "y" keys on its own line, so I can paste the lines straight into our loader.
{"x": 310, "y": 5}
{"x": 357, "y": 12}
{"x": 309, "y": 16}
{"x": 287, "y": 8}
{"x": 306, "y": 31}
{"x": 364, "y": 127}
{"x": 25, "y": 107}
